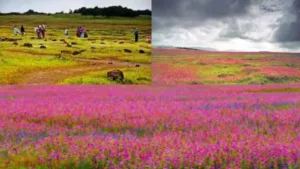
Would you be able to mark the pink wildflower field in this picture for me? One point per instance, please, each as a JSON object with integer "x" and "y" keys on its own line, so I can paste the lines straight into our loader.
{"x": 187, "y": 66}
{"x": 163, "y": 127}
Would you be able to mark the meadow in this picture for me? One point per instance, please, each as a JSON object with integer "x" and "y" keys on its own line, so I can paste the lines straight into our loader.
{"x": 182, "y": 66}
{"x": 163, "y": 127}
{"x": 70, "y": 60}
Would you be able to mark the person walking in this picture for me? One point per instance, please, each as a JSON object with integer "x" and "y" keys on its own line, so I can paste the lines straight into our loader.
{"x": 136, "y": 34}
{"x": 78, "y": 32}
{"x": 16, "y": 30}
{"x": 43, "y": 31}
{"x": 36, "y": 29}
{"x": 67, "y": 32}
{"x": 22, "y": 30}
{"x": 83, "y": 31}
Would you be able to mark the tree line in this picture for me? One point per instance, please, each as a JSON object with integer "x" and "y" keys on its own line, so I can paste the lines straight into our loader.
{"x": 96, "y": 11}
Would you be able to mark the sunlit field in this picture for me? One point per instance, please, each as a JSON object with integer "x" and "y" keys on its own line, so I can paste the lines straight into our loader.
{"x": 88, "y": 127}
{"x": 110, "y": 45}
{"x": 181, "y": 66}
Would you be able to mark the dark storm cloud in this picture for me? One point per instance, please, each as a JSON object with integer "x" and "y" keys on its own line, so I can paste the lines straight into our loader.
{"x": 193, "y": 12}
{"x": 289, "y": 30}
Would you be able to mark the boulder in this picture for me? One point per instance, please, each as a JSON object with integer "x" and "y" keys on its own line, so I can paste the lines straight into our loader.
{"x": 15, "y": 43}
{"x": 29, "y": 45}
{"x": 42, "y": 47}
{"x": 137, "y": 65}
{"x": 127, "y": 51}
{"x": 142, "y": 51}
{"x": 115, "y": 75}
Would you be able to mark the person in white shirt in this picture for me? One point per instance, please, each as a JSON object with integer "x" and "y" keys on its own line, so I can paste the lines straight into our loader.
{"x": 67, "y": 32}
{"x": 16, "y": 30}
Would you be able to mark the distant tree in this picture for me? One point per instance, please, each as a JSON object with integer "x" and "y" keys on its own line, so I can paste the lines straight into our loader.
{"x": 30, "y": 12}
{"x": 111, "y": 11}
{"x": 70, "y": 11}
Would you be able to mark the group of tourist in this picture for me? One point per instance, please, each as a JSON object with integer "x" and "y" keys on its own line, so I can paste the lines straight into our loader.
{"x": 16, "y": 30}
{"x": 40, "y": 31}
{"x": 80, "y": 32}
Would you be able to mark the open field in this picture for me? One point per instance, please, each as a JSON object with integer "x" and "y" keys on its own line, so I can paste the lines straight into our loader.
{"x": 69, "y": 127}
{"x": 181, "y": 66}
{"x": 102, "y": 51}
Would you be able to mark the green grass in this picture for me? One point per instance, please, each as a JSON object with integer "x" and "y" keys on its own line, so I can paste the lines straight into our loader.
{"x": 131, "y": 76}
{"x": 219, "y": 70}
{"x": 278, "y": 90}
{"x": 103, "y": 43}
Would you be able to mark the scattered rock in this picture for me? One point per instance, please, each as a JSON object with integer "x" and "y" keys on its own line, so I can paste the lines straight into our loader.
{"x": 42, "y": 47}
{"x": 61, "y": 40}
{"x": 58, "y": 56}
{"x": 5, "y": 39}
{"x": 78, "y": 52}
{"x": 15, "y": 43}
{"x": 45, "y": 40}
{"x": 110, "y": 63}
{"x": 29, "y": 45}
{"x": 121, "y": 42}
{"x": 115, "y": 75}
{"x": 32, "y": 37}
{"x": 54, "y": 40}
{"x": 127, "y": 51}
{"x": 102, "y": 43}
{"x": 93, "y": 47}
{"x": 73, "y": 43}
{"x": 68, "y": 45}
{"x": 137, "y": 65}
{"x": 142, "y": 51}
{"x": 65, "y": 42}
{"x": 66, "y": 52}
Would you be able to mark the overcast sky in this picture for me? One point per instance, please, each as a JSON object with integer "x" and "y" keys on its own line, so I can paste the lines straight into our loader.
{"x": 52, "y": 6}
{"x": 234, "y": 25}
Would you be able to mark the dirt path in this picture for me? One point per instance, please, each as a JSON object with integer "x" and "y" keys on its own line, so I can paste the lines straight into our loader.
{"x": 52, "y": 76}
{"x": 113, "y": 62}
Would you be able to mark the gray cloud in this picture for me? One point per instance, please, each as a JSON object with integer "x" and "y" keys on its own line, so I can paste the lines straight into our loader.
{"x": 289, "y": 30}
{"x": 193, "y": 12}
{"x": 253, "y": 25}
